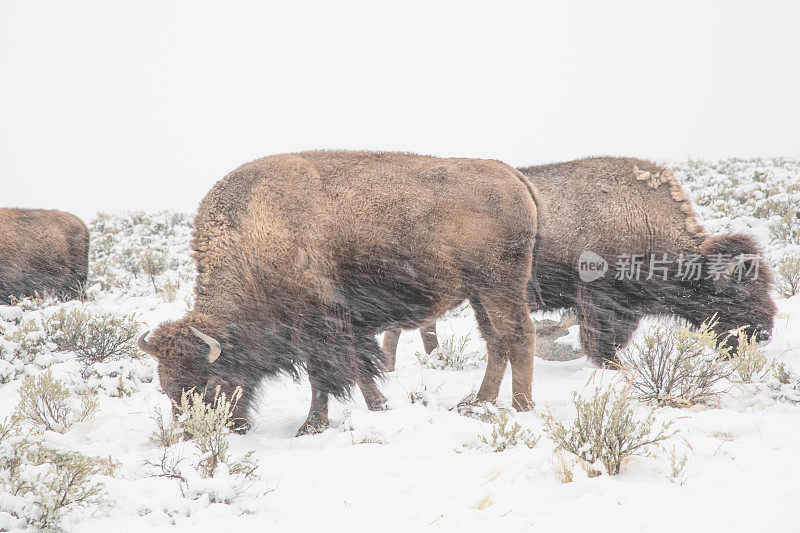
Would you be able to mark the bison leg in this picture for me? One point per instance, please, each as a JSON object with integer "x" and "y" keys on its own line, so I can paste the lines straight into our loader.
{"x": 429, "y": 339}
{"x": 317, "y": 420}
{"x": 496, "y": 365}
{"x": 604, "y": 330}
{"x": 390, "y": 340}
{"x": 375, "y": 399}
{"x": 370, "y": 355}
{"x": 511, "y": 339}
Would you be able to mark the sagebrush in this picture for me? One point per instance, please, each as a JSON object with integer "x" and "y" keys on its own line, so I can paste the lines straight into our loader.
{"x": 507, "y": 433}
{"x": 606, "y": 428}
{"x": 94, "y": 337}
{"x": 46, "y": 402}
{"x": 42, "y": 484}
{"x": 207, "y": 423}
{"x": 788, "y": 282}
{"x": 678, "y": 367}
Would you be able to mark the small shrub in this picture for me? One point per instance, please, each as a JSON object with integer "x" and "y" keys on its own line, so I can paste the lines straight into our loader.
{"x": 31, "y": 341}
{"x": 41, "y": 484}
{"x": 422, "y": 394}
{"x": 208, "y": 425}
{"x": 506, "y": 434}
{"x": 607, "y": 429}
{"x": 154, "y": 263}
{"x": 33, "y": 303}
{"x": 562, "y": 465}
{"x": 165, "y": 435}
{"x": 781, "y": 372}
{"x": 751, "y": 364}
{"x": 676, "y": 367}
{"x": 95, "y": 338}
{"x": 170, "y": 289}
{"x": 451, "y": 354}
{"x": 677, "y": 466}
{"x": 46, "y": 402}
{"x": 789, "y": 276}
{"x": 203, "y": 427}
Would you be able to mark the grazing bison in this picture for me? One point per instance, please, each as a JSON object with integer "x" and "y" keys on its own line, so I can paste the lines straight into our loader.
{"x": 42, "y": 252}
{"x": 303, "y": 258}
{"x": 631, "y": 217}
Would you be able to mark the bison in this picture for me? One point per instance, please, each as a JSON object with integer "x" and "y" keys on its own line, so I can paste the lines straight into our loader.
{"x": 42, "y": 252}
{"x": 631, "y": 218}
{"x": 303, "y": 258}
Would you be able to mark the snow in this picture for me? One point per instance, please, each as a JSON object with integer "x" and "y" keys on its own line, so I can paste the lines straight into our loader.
{"x": 421, "y": 465}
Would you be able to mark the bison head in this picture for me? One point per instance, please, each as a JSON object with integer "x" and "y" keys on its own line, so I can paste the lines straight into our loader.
{"x": 195, "y": 353}
{"x": 738, "y": 289}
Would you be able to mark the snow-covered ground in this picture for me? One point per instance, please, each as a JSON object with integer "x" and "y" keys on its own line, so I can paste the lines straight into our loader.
{"x": 422, "y": 465}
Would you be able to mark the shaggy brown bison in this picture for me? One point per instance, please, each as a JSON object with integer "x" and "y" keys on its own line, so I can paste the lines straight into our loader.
{"x": 42, "y": 252}
{"x": 303, "y": 258}
{"x": 632, "y": 218}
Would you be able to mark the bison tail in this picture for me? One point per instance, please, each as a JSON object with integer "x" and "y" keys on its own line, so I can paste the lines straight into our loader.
{"x": 535, "y": 298}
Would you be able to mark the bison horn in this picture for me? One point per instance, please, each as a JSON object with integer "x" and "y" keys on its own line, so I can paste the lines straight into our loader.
{"x": 214, "y": 348}
{"x": 142, "y": 343}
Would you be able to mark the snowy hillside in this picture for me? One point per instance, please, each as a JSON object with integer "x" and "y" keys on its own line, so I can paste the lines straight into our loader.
{"x": 728, "y": 463}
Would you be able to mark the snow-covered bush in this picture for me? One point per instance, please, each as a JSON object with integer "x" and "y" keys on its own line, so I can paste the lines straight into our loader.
{"x": 40, "y": 484}
{"x": 24, "y": 350}
{"x": 762, "y": 188}
{"x": 677, "y": 466}
{"x": 507, "y": 434}
{"x": 751, "y": 362}
{"x": 788, "y": 279}
{"x": 94, "y": 337}
{"x": 676, "y": 366}
{"x": 47, "y": 403}
{"x": 562, "y": 464}
{"x": 199, "y": 430}
{"x": 452, "y": 354}
{"x": 140, "y": 253}
{"x": 607, "y": 429}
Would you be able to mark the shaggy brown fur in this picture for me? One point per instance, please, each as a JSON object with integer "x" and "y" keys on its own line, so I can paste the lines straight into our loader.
{"x": 614, "y": 206}
{"x": 303, "y": 258}
{"x": 42, "y": 252}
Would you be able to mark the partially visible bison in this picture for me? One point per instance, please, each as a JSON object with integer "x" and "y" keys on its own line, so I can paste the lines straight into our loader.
{"x": 631, "y": 217}
{"x": 42, "y": 252}
{"x": 303, "y": 258}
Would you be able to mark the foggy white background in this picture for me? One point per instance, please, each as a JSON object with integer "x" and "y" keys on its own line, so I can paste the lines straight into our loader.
{"x": 144, "y": 105}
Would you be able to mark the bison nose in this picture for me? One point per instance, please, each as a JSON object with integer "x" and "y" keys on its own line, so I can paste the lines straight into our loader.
{"x": 763, "y": 335}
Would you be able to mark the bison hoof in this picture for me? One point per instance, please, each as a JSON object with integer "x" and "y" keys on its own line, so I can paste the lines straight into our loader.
{"x": 241, "y": 426}
{"x": 607, "y": 363}
{"x": 473, "y": 407}
{"x": 522, "y": 405}
{"x": 312, "y": 427}
{"x": 378, "y": 404}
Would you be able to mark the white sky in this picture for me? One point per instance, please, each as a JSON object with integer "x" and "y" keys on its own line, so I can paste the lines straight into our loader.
{"x": 144, "y": 105}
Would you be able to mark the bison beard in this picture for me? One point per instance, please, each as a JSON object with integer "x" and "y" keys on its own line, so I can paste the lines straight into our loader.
{"x": 303, "y": 258}
{"x": 42, "y": 252}
{"x": 615, "y": 206}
